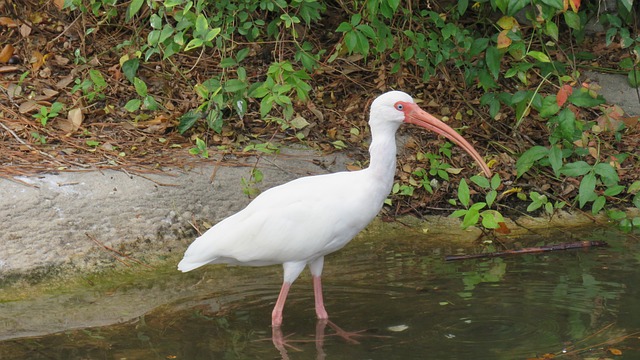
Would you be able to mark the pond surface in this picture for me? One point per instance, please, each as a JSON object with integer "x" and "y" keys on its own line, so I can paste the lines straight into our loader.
{"x": 407, "y": 301}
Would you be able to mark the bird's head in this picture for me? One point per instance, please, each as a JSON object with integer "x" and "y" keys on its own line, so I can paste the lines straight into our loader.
{"x": 396, "y": 107}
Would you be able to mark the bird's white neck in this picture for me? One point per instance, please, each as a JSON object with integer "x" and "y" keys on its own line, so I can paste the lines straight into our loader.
{"x": 382, "y": 163}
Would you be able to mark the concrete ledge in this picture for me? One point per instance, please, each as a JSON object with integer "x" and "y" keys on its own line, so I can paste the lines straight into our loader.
{"x": 45, "y": 225}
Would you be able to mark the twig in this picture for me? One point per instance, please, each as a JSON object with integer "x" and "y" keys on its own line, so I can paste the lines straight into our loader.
{"x": 117, "y": 252}
{"x": 530, "y": 250}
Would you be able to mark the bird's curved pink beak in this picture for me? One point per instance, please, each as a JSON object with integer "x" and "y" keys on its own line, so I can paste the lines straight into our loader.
{"x": 415, "y": 115}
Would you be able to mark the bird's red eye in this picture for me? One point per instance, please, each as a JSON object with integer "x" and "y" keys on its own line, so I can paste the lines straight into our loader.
{"x": 399, "y": 107}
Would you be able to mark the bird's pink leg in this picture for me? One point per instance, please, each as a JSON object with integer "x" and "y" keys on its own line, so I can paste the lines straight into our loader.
{"x": 276, "y": 315}
{"x": 317, "y": 291}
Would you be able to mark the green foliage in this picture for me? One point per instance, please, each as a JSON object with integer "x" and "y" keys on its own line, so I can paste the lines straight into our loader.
{"x": 282, "y": 82}
{"x": 39, "y": 138}
{"x": 473, "y": 212}
{"x": 483, "y": 40}
{"x": 541, "y": 201}
{"x": 92, "y": 87}
{"x": 200, "y": 149}
{"x": 145, "y": 101}
{"x": 249, "y": 185}
{"x": 618, "y": 29}
{"x": 47, "y": 113}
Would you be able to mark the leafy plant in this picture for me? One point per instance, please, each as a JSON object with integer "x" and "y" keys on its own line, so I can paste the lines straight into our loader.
{"x": 146, "y": 101}
{"x": 39, "y": 138}
{"x": 266, "y": 148}
{"x": 200, "y": 149}
{"x": 249, "y": 185}
{"x": 47, "y": 113}
{"x": 281, "y": 83}
{"x": 472, "y": 213}
{"x": 92, "y": 87}
{"x": 541, "y": 201}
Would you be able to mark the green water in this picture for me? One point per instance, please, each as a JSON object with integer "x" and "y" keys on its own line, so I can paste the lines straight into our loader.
{"x": 408, "y": 302}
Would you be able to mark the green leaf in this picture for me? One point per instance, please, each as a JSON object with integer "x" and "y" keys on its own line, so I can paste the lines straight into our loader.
{"x": 212, "y": 34}
{"x": 586, "y": 192}
{"x": 458, "y": 213}
{"x": 478, "y": 46}
{"x": 56, "y": 107}
{"x": 214, "y": 120}
{"x": 344, "y": 27}
{"x": 98, "y": 79}
{"x": 529, "y": 157}
{"x": 608, "y": 173}
{"x": 555, "y": 159}
{"x": 133, "y": 105}
{"x": 92, "y": 143}
{"x": 367, "y": 31}
{"x": 497, "y": 217}
{"x": 202, "y": 25}
{"x": 549, "y": 106}
{"x": 491, "y": 197}
{"x": 130, "y": 67}
{"x": 495, "y": 181}
{"x": 492, "y": 57}
{"x": 558, "y": 4}
{"x": 628, "y": 4}
{"x": 551, "y": 29}
{"x": 636, "y": 200}
{"x": 614, "y": 190}
{"x": 582, "y": 98}
{"x": 634, "y": 187}
{"x": 598, "y": 204}
{"x": 462, "y": 6}
{"x": 188, "y": 120}
{"x": 150, "y": 103}
{"x": 616, "y": 215}
{"x": 167, "y": 32}
{"x": 540, "y": 56}
{"x": 576, "y": 169}
{"x": 234, "y": 86}
{"x": 194, "y": 43}
{"x": 489, "y": 221}
{"x": 141, "y": 87}
{"x": 481, "y": 181}
{"x": 133, "y": 8}
{"x": 463, "y": 193}
{"x": 156, "y": 21}
{"x": 572, "y": 19}
{"x": 470, "y": 218}
{"x": 634, "y": 78}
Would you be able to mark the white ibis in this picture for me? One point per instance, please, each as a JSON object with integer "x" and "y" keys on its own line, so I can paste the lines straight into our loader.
{"x": 296, "y": 224}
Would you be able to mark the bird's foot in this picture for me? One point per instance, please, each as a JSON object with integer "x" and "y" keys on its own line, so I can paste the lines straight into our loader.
{"x": 348, "y": 336}
{"x": 281, "y": 342}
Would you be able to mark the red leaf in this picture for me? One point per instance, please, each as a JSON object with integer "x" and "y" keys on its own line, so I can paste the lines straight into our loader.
{"x": 575, "y": 5}
{"x": 563, "y": 94}
{"x": 503, "y": 229}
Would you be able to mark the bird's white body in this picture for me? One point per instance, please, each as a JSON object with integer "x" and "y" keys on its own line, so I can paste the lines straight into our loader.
{"x": 296, "y": 224}
{"x": 289, "y": 223}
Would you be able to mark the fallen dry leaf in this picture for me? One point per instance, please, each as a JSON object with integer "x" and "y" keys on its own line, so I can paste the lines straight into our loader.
{"x": 563, "y": 94}
{"x": 47, "y": 94}
{"x": 6, "y": 53}
{"x": 28, "y": 106}
{"x": 8, "y": 69}
{"x": 59, "y": 4}
{"x": 8, "y": 22}
{"x": 25, "y": 30}
{"x": 73, "y": 121}
{"x": 37, "y": 60}
{"x": 64, "y": 82}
